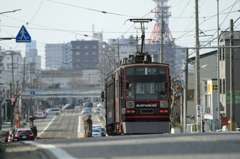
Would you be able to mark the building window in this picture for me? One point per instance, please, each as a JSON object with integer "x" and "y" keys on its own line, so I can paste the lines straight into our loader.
{"x": 220, "y": 54}
{"x": 220, "y": 86}
{"x": 224, "y": 86}
{"x": 86, "y": 53}
{"x": 223, "y": 52}
{"x": 86, "y": 46}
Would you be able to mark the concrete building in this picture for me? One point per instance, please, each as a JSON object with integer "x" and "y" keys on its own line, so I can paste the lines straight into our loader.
{"x": 58, "y": 56}
{"x": 10, "y": 68}
{"x": 225, "y": 79}
{"x": 208, "y": 71}
{"x": 31, "y": 55}
{"x": 85, "y": 54}
{"x": 65, "y": 79}
{"x": 209, "y": 107}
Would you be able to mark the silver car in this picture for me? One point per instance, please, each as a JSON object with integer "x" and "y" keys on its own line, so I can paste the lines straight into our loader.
{"x": 96, "y": 133}
{"x": 53, "y": 111}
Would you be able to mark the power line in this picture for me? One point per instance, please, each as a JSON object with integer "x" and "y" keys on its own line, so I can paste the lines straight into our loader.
{"x": 37, "y": 11}
{"x": 91, "y": 9}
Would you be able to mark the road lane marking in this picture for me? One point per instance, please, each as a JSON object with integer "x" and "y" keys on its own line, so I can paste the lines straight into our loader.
{"x": 57, "y": 152}
{"x": 47, "y": 126}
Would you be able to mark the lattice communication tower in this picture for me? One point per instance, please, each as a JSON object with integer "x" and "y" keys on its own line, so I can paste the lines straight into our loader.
{"x": 162, "y": 9}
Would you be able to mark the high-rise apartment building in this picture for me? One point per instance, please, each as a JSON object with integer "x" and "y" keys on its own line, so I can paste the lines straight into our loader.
{"x": 58, "y": 56}
{"x": 85, "y": 54}
{"x": 31, "y": 55}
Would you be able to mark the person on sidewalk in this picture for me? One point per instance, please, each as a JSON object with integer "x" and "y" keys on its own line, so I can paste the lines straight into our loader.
{"x": 6, "y": 135}
{"x": 34, "y": 130}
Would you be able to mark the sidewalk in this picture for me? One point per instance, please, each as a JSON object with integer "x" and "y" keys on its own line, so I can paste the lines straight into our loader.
{"x": 5, "y": 127}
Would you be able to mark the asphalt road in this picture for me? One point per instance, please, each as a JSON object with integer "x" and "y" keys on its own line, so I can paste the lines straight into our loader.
{"x": 160, "y": 146}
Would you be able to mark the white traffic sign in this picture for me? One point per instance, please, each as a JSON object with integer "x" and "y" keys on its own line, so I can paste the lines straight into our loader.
{"x": 23, "y": 36}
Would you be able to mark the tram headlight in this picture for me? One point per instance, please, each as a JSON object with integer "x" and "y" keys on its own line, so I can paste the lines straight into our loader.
{"x": 164, "y": 104}
{"x": 130, "y": 104}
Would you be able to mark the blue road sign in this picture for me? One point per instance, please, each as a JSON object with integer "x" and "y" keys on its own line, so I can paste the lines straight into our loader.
{"x": 23, "y": 36}
{"x": 32, "y": 93}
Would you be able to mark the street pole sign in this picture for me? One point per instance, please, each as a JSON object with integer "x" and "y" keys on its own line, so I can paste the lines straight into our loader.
{"x": 236, "y": 98}
{"x": 32, "y": 93}
{"x": 23, "y": 36}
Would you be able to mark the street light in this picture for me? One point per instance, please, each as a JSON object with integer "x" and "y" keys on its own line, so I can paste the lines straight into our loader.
{"x": 8, "y": 38}
{"x": 10, "y": 11}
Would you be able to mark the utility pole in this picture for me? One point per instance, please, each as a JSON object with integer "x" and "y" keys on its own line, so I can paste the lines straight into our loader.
{"x": 185, "y": 93}
{"x": 118, "y": 53}
{"x": 12, "y": 93}
{"x": 197, "y": 77}
{"x": 218, "y": 76}
{"x": 232, "y": 84}
{"x": 1, "y": 103}
{"x": 161, "y": 50}
{"x": 24, "y": 74}
{"x": 11, "y": 109}
{"x": 12, "y": 70}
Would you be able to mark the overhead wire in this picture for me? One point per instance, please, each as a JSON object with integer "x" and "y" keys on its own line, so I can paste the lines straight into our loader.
{"x": 90, "y": 9}
{"x": 180, "y": 15}
{"x": 209, "y": 18}
{"x": 37, "y": 11}
{"x": 224, "y": 20}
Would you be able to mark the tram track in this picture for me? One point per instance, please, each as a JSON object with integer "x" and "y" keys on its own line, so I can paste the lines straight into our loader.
{"x": 64, "y": 125}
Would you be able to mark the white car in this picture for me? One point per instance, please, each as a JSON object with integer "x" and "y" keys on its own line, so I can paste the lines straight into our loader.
{"x": 86, "y": 111}
{"x": 96, "y": 133}
{"x": 97, "y": 110}
{"x": 40, "y": 115}
{"x": 96, "y": 126}
{"x": 53, "y": 111}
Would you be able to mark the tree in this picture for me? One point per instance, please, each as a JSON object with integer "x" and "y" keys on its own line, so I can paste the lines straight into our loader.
{"x": 175, "y": 116}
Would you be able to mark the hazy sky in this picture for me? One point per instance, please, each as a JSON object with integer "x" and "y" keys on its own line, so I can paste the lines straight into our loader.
{"x": 61, "y": 21}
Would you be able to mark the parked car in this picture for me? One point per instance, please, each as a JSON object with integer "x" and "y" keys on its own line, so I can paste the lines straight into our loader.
{"x": 99, "y": 105}
{"x": 40, "y": 115}
{"x": 69, "y": 106}
{"x": 88, "y": 104}
{"x": 96, "y": 133}
{"x": 24, "y": 134}
{"x": 103, "y": 131}
{"x": 53, "y": 111}
{"x": 97, "y": 110}
{"x": 86, "y": 111}
{"x": 96, "y": 126}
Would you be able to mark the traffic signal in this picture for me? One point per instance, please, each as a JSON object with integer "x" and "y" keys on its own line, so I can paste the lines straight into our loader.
{"x": 12, "y": 100}
{"x": 8, "y": 99}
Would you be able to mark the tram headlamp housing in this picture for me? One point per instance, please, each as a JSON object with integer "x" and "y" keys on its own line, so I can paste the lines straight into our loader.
{"x": 130, "y": 104}
{"x": 164, "y": 104}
